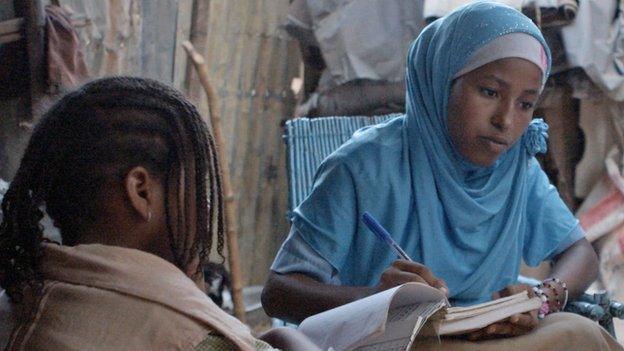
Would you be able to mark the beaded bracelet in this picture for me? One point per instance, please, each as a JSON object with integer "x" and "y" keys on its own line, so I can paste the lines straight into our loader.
{"x": 550, "y": 284}
{"x": 545, "y": 307}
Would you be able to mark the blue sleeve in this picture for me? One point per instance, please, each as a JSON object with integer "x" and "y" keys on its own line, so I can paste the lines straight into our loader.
{"x": 577, "y": 234}
{"x": 551, "y": 227}
{"x": 327, "y": 219}
{"x": 296, "y": 256}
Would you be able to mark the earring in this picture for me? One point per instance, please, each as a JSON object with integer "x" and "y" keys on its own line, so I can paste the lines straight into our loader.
{"x": 149, "y": 216}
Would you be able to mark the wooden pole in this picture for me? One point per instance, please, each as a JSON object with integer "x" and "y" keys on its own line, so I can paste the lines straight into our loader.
{"x": 198, "y": 36}
{"x": 34, "y": 15}
{"x": 230, "y": 205}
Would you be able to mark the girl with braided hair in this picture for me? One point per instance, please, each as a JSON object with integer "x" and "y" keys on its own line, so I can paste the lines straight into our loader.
{"x": 128, "y": 172}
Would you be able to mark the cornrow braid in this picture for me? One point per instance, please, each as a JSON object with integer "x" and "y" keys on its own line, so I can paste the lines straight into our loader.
{"x": 98, "y": 133}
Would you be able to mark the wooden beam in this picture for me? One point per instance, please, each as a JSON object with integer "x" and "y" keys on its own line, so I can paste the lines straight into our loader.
{"x": 34, "y": 18}
{"x": 11, "y": 26}
{"x": 183, "y": 32}
{"x": 11, "y": 30}
{"x": 9, "y": 38}
{"x": 198, "y": 37}
{"x": 231, "y": 208}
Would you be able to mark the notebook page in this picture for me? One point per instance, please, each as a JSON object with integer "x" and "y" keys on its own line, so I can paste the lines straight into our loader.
{"x": 521, "y": 296}
{"x": 465, "y": 325}
{"x": 344, "y": 326}
{"x": 349, "y": 325}
{"x": 402, "y": 326}
{"x": 470, "y": 312}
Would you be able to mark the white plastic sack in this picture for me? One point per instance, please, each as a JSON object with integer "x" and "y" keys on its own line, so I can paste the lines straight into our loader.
{"x": 595, "y": 42}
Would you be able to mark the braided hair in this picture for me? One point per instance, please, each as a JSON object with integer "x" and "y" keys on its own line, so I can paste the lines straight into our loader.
{"x": 96, "y": 135}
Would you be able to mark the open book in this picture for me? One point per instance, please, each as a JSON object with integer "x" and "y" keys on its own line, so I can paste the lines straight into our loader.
{"x": 393, "y": 318}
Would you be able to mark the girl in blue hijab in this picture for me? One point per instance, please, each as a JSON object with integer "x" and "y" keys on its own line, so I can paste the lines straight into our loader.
{"x": 454, "y": 181}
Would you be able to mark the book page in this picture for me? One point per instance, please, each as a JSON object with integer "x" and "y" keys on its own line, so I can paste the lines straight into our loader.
{"x": 346, "y": 326}
{"x": 462, "y": 326}
{"x": 480, "y": 306}
{"x": 402, "y": 326}
{"x": 455, "y": 313}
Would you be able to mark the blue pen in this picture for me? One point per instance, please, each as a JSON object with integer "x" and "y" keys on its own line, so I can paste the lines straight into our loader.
{"x": 383, "y": 234}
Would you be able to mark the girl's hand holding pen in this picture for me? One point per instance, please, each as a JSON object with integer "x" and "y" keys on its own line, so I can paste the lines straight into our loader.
{"x": 403, "y": 271}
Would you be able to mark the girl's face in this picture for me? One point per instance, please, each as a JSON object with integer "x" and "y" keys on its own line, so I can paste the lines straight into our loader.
{"x": 491, "y": 106}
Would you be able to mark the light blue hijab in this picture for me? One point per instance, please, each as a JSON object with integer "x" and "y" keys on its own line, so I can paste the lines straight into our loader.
{"x": 470, "y": 225}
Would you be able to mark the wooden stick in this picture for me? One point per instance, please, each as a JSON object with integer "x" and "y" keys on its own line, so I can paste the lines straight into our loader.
{"x": 12, "y": 26}
{"x": 230, "y": 205}
{"x": 11, "y": 30}
{"x": 34, "y": 24}
{"x": 9, "y": 38}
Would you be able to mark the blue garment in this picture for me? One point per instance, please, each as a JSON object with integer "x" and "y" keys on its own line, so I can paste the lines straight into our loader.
{"x": 296, "y": 256}
{"x": 470, "y": 225}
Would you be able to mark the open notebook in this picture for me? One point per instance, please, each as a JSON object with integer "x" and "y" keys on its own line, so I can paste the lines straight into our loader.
{"x": 391, "y": 319}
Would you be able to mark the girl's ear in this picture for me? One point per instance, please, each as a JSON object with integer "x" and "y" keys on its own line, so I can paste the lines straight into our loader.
{"x": 139, "y": 186}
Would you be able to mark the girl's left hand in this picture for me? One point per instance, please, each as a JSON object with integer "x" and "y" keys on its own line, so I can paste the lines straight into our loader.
{"x": 518, "y": 324}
